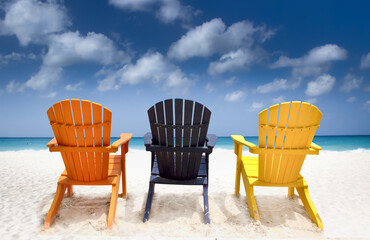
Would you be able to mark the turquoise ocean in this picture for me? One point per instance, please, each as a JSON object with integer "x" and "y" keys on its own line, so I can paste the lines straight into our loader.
{"x": 331, "y": 143}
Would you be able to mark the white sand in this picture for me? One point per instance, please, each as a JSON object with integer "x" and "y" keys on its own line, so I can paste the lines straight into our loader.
{"x": 339, "y": 184}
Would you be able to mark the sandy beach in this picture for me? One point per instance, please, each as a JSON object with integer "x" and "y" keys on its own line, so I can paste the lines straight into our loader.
{"x": 338, "y": 184}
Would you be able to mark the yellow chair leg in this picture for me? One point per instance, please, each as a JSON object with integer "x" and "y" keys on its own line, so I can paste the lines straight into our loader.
{"x": 308, "y": 204}
{"x": 237, "y": 177}
{"x": 113, "y": 204}
{"x": 250, "y": 198}
{"x": 55, "y": 206}
{"x": 290, "y": 191}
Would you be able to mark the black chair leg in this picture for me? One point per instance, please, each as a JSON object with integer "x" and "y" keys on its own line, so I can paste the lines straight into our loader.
{"x": 148, "y": 202}
{"x": 206, "y": 208}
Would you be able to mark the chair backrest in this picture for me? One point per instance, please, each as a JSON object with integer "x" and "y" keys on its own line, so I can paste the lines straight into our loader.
{"x": 290, "y": 125}
{"x": 181, "y": 124}
{"x": 78, "y": 124}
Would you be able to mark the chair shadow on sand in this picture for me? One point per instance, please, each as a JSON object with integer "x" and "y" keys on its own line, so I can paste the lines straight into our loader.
{"x": 276, "y": 209}
{"x": 88, "y": 208}
{"x": 168, "y": 207}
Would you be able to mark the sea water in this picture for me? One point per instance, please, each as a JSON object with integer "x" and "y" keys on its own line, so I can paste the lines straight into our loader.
{"x": 332, "y": 143}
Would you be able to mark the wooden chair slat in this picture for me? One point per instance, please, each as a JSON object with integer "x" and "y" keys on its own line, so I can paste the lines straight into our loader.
{"x": 178, "y": 133}
{"x": 68, "y": 119}
{"x": 87, "y": 119}
{"x": 280, "y": 135}
{"x": 262, "y": 120}
{"x": 154, "y": 130}
{"x": 188, "y": 115}
{"x": 168, "y": 104}
{"x": 64, "y": 140}
{"x": 289, "y": 140}
{"x": 76, "y": 106}
{"x": 161, "y": 156}
{"x": 203, "y": 130}
{"x": 271, "y": 134}
{"x": 97, "y": 118}
{"x": 107, "y": 118}
{"x": 194, "y": 158}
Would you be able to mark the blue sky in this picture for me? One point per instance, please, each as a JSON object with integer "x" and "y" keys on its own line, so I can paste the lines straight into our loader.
{"x": 236, "y": 57}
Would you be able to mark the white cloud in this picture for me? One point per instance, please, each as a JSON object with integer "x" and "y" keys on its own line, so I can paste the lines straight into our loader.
{"x": 277, "y": 85}
{"x": 279, "y": 99}
{"x": 235, "y": 60}
{"x": 5, "y": 59}
{"x": 315, "y": 57}
{"x": 313, "y": 63}
{"x": 74, "y": 87}
{"x": 235, "y": 96}
{"x": 365, "y": 61}
{"x": 322, "y": 84}
{"x": 214, "y": 38}
{"x": 256, "y": 106}
{"x": 209, "y": 88}
{"x": 231, "y": 81}
{"x": 44, "y": 78}
{"x": 33, "y": 20}
{"x": 351, "y": 99}
{"x": 311, "y": 100}
{"x": 14, "y": 86}
{"x": 151, "y": 68}
{"x": 165, "y": 10}
{"x": 367, "y": 106}
{"x": 50, "y": 95}
{"x": 71, "y": 48}
{"x": 351, "y": 82}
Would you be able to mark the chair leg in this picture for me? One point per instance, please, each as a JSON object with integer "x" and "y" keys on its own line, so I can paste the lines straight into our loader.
{"x": 113, "y": 204}
{"x": 123, "y": 172}
{"x": 149, "y": 202}
{"x": 70, "y": 191}
{"x": 55, "y": 205}
{"x": 290, "y": 191}
{"x": 237, "y": 177}
{"x": 250, "y": 198}
{"x": 206, "y": 206}
{"x": 308, "y": 204}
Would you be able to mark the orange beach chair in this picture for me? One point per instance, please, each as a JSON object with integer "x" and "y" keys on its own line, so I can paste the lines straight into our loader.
{"x": 284, "y": 140}
{"x": 82, "y": 137}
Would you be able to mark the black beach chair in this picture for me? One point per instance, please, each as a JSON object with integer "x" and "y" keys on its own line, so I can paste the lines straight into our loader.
{"x": 180, "y": 146}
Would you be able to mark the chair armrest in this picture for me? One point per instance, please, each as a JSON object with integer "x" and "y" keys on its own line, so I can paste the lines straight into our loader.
{"x": 211, "y": 140}
{"x": 148, "y": 139}
{"x": 238, "y": 139}
{"x": 315, "y": 146}
{"x": 52, "y": 143}
{"x": 124, "y": 138}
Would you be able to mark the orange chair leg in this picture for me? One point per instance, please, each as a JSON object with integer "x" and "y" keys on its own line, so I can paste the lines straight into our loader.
{"x": 70, "y": 191}
{"x": 55, "y": 206}
{"x": 123, "y": 169}
{"x": 113, "y": 204}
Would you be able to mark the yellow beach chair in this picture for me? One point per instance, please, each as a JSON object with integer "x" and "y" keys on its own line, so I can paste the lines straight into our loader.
{"x": 284, "y": 139}
{"x": 83, "y": 139}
